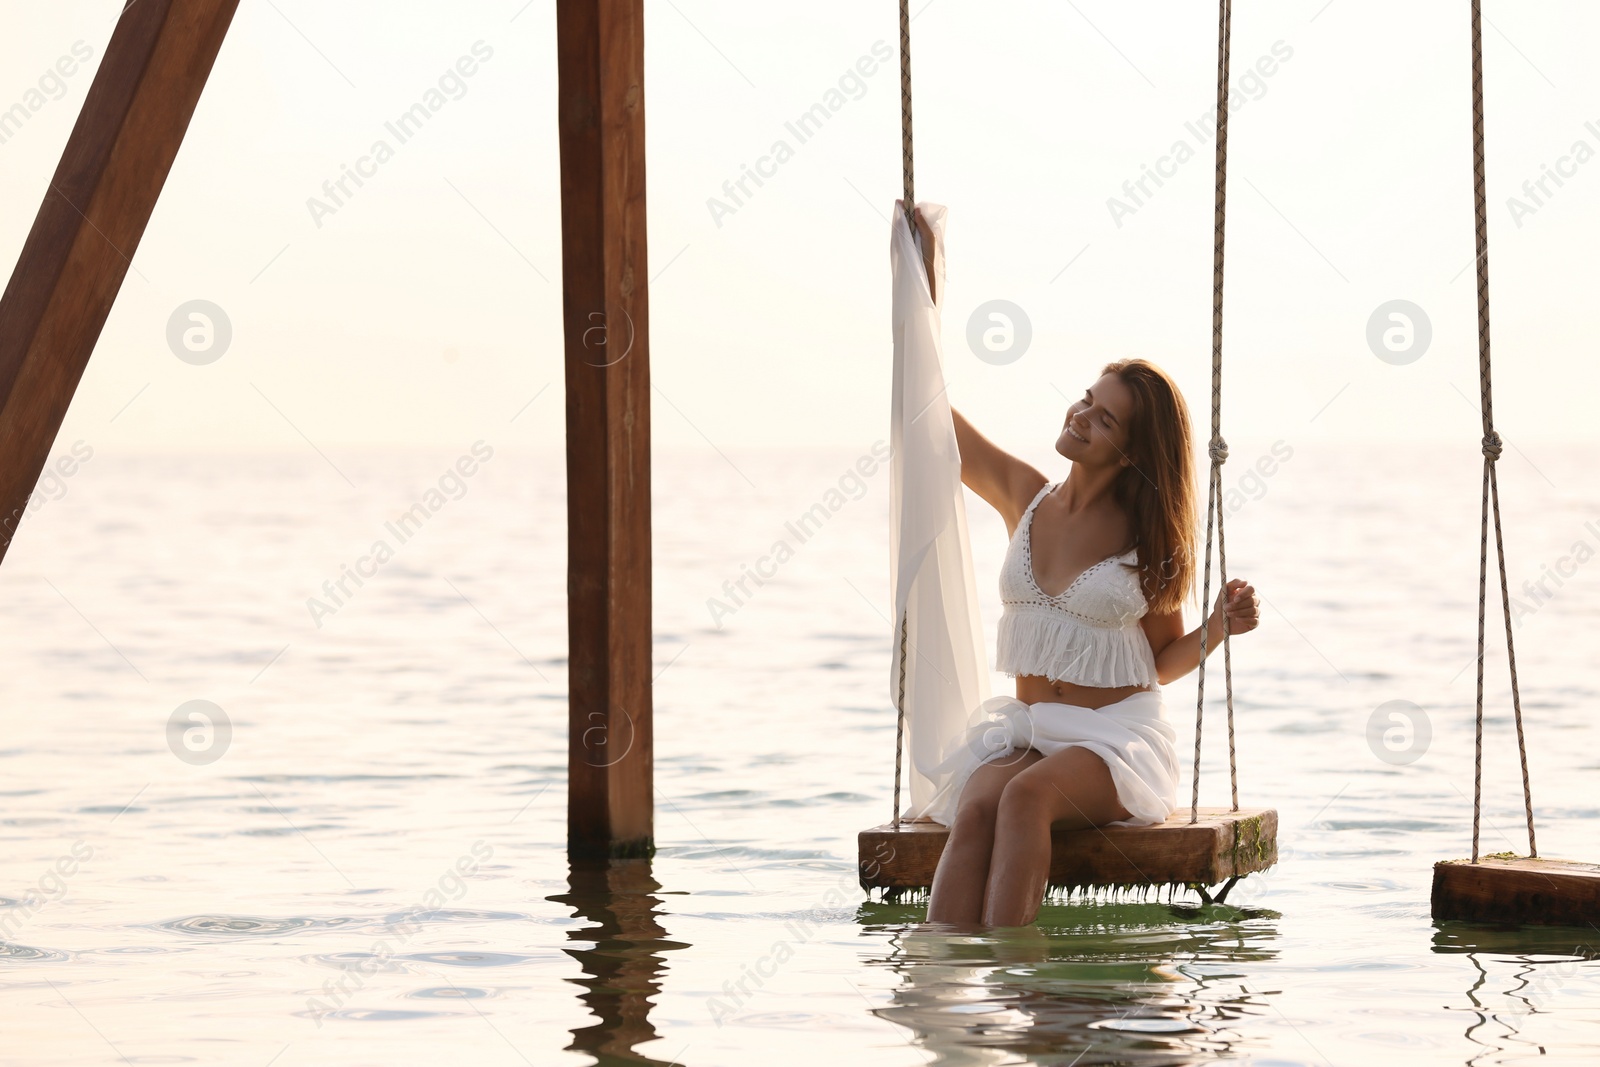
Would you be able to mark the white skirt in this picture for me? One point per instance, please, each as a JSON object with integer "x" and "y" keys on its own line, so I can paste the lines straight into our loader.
{"x": 1133, "y": 736}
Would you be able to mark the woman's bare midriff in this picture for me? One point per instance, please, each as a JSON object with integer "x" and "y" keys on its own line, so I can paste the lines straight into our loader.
{"x": 1037, "y": 689}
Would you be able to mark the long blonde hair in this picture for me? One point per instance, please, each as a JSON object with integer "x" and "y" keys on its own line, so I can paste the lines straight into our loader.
{"x": 1157, "y": 489}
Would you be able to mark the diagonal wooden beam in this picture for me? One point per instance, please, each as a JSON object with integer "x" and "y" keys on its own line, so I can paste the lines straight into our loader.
{"x": 600, "y": 60}
{"x": 89, "y": 225}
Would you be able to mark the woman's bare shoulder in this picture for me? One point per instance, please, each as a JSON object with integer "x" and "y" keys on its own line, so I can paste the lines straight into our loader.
{"x": 1022, "y": 486}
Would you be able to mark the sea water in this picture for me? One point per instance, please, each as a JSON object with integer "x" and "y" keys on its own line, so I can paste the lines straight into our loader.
{"x": 284, "y": 776}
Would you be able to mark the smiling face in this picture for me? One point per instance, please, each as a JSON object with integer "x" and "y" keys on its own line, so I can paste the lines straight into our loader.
{"x": 1096, "y": 427}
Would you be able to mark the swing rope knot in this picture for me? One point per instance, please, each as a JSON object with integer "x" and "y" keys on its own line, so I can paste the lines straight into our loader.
{"x": 1219, "y": 449}
{"x": 1491, "y": 445}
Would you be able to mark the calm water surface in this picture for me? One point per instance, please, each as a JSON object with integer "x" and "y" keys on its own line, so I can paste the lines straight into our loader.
{"x": 372, "y": 867}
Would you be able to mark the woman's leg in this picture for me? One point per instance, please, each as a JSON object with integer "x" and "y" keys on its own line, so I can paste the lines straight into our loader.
{"x": 1071, "y": 790}
{"x": 957, "y": 894}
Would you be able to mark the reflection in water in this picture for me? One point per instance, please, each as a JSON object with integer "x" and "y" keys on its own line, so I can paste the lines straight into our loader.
{"x": 1536, "y": 965}
{"x": 622, "y": 969}
{"x": 1091, "y": 983}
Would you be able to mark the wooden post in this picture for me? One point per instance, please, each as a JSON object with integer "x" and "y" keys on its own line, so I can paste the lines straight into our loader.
{"x": 89, "y": 225}
{"x": 600, "y": 58}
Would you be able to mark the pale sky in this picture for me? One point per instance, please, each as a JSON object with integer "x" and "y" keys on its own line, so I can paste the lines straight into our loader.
{"x": 426, "y": 308}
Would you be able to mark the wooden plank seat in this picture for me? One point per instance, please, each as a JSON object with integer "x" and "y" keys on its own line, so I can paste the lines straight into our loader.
{"x": 1505, "y": 888}
{"x": 1222, "y": 846}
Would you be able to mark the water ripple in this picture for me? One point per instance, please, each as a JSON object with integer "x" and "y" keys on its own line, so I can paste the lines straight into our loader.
{"x": 29, "y": 954}
{"x": 468, "y": 959}
{"x": 372, "y": 1015}
{"x": 235, "y": 925}
{"x": 458, "y": 916}
{"x": 449, "y": 993}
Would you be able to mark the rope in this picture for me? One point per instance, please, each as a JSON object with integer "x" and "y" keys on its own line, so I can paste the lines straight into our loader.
{"x": 1227, "y": 646}
{"x": 1218, "y": 447}
{"x": 910, "y": 205}
{"x": 909, "y": 201}
{"x": 1491, "y": 452}
{"x": 900, "y": 730}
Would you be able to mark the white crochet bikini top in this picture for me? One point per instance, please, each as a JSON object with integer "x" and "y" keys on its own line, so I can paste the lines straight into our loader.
{"x": 1089, "y": 634}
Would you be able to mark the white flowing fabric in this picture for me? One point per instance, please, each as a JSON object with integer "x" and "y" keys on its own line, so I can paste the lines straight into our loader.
{"x": 1133, "y": 736}
{"x": 930, "y": 555}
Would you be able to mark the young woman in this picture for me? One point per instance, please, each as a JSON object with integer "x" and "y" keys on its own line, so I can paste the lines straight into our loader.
{"x": 1093, "y": 585}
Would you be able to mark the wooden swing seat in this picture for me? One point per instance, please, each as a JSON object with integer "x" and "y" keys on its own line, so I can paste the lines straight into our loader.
{"x": 1504, "y": 888}
{"x": 1222, "y": 846}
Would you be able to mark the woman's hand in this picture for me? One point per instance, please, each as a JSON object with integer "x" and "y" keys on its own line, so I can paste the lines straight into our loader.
{"x": 1238, "y": 606}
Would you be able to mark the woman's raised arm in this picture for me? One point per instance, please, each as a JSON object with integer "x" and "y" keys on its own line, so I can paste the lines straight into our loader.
{"x": 1007, "y": 483}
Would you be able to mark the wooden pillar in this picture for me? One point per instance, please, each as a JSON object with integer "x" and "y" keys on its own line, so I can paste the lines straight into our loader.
{"x": 89, "y": 225}
{"x": 600, "y": 56}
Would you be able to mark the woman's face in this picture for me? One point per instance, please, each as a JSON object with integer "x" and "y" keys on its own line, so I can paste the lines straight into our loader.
{"x": 1096, "y": 427}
